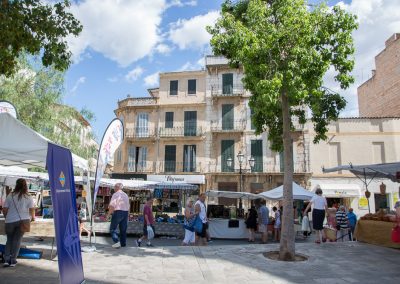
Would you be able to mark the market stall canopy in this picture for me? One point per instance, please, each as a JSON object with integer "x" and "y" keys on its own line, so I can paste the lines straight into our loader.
{"x": 299, "y": 193}
{"x": 21, "y": 146}
{"x": 389, "y": 170}
{"x": 131, "y": 184}
{"x": 340, "y": 190}
{"x": 232, "y": 194}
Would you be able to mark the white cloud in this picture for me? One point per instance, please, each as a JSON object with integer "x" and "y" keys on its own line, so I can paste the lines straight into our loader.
{"x": 151, "y": 80}
{"x": 198, "y": 65}
{"x": 134, "y": 74}
{"x": 180, "y": 3}
{"x": 163, "y": 48}
{"x": 378, "y": 20}
{"x": 78, "y": 82}
{"x": 192, "y": 33}
{"x": 122, "y": 30}
{"x": 114, "y": 79}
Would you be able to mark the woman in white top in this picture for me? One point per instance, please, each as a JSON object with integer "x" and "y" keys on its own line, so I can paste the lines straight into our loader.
{"x": 190, "y": 235}
{"x": 18, "y": 208}
{"x": 318, "y": 214}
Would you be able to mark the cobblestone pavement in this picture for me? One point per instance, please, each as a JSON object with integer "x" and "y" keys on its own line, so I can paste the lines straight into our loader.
{"x": 221, "y": 262}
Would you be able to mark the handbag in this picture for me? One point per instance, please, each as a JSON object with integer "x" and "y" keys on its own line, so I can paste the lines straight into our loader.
{"x": 198, "y": 224}
{"x": 150, "y": 232}
{"x": 24, "y": 225}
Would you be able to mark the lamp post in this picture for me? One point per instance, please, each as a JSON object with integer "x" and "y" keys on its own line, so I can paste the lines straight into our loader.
{"x": 240, "y": 158}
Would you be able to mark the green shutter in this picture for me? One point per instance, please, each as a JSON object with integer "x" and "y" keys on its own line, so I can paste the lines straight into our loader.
{"x": 169, "y": 120}
{"x": 252, "y": 127}
{"x": 170, "y": 158}
{"x": 257, "y": 154}
{"x": 192, "y": 86}
{"x": 227, "y": 84}
{"x": 227, "y": 151}
{"x": 190, "y": 123}
{"x": 173, "y": 88}
{"x": 227, "y": 117}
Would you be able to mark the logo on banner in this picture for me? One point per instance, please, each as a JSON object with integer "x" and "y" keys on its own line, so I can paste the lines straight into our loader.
{"x": 62, "y": 179}
{"x": 71, "y": 239}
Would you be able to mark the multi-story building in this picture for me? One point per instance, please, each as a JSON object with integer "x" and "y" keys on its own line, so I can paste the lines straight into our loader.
{"x": 194, "y": 127}
{"x": 379, "y": 96}
{"x": 359, "y": 141}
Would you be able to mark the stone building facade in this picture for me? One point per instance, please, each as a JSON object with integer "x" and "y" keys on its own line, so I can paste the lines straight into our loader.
{"x": 380, "y": 95}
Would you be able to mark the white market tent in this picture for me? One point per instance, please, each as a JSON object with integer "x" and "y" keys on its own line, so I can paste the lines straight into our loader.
{"x": 232, "y": 194}
{"x": 23, "y": 147}
{"x": 299, "y": 193}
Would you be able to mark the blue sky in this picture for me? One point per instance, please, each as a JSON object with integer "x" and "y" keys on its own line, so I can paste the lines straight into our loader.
{"x": 125, "y": 43}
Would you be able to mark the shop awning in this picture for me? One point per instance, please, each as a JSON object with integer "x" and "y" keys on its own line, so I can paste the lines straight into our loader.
{"x": 340, "y": 190}
{"x": 231, "y": 194}
{"x": 173, "y": 185}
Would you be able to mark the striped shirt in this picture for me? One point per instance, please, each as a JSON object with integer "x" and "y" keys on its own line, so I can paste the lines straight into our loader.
{"x": 342, "y": 220}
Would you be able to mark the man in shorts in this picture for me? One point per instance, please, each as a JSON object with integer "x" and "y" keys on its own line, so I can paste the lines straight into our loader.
{"x": 148, "y": 221}
{"x": 200, "y": 209}
{"x": 263, "y": 220}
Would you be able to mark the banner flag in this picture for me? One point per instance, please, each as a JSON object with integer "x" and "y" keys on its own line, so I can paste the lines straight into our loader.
{"x": 111, "y": 140}
{"x": 62, "y": 185}
{"x": 8, "y": 107}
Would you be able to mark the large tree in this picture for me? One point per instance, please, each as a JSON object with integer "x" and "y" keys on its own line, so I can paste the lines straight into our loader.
{"x": 37, "y": 92}
{"x": 36, "y": 27}
{"x": 286, "y": 47}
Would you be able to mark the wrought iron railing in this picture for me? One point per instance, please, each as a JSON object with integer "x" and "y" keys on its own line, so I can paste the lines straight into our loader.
{"x": 228, "y": 125}
{"x": 140, "y": 132}
{"x": 180, "y": 131}
{"x": 227, "y": 90}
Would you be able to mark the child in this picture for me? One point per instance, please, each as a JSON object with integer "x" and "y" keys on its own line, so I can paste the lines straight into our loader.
{"x": 277, "y": 225}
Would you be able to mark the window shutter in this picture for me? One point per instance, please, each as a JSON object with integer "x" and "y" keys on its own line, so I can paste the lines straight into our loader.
{"x": 169, "y": 120}
{"x": 173, "y": 88}
{"x": 227, "y": 151}
{"x": 190, "y": 123}
{"x": 227, "y": 117}
{"x": 170, "y": 158}
{"x": 227, "y": 84}
{"x": 192, "y": 86}
{"x": 257, "y": 154}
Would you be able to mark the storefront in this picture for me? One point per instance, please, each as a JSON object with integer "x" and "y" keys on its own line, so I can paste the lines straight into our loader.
{"x": 341, "y": 194}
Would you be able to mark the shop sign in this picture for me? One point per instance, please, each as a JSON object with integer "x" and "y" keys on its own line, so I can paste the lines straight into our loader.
{"x": 395, "y": 197}
{"x": 362, "y": 203}
{"x": 193, "y": 179}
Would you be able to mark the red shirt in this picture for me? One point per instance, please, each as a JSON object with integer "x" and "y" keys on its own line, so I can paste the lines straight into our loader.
{"x": 148, "y": 212}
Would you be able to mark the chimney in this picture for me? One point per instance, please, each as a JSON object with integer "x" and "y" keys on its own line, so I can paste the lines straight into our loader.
{"x": 392, "y": 39}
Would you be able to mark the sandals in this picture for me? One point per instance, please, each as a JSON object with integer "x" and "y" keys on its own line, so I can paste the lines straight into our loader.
{"x": 318, "y": 242}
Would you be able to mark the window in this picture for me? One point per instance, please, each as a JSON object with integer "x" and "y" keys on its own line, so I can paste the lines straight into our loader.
{"x": 257, "y": 154}
{"x": 190, "y": 123}
{"x": 227, "y": 151}
{"x": 137, "y": 157}
{"x": 170, "y": 158}
{"x": 173, "y": 88}
{"x": 189, "y": 158}
{"x": 169, "y": 120}
{"x": 227, "y": 84}
{"x": 142, "y": 125}
{"x": 192, "y": 86}
{"x": 252, "y": 127}
{"x": 227, "y": 117}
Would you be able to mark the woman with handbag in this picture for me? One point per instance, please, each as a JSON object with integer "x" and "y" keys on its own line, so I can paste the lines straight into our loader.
{"x": 19, "y": 211}
{"x": 190, "y": 216}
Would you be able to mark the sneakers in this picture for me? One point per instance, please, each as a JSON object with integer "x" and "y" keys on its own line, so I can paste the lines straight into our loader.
{"x": 138, "y": 243}
{"x": 6, "y": 264}
{"x": 116, "y": 245}
{"x": 13, "y": 264}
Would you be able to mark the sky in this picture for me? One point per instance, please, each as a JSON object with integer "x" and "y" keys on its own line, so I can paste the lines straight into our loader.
{"x": 126, "y": 43}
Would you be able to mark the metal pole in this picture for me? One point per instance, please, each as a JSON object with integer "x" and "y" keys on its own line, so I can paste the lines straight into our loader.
{"x": 240, "y": 185}
{"x": 366, "y": 188}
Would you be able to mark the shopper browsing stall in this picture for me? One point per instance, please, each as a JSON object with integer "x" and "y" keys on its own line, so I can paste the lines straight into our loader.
{"x": 200, "y": 208}
{"x": 148, "y": 224}
{"x": 190, "y": 216}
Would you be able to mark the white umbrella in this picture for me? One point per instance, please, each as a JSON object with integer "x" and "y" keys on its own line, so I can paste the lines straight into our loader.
{"x": 299, "y": 193}
{"x": 231, "y": 194}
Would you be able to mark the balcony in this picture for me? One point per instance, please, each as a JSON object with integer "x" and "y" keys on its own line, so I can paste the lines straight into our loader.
{"x": 140, "y": 133}
{"x": 227, "y": 91}
{"x": 259, "y": 167}
{"x": 139, "y": 167}
{"x": 164, "y": 132}
{"x": 228, "y": 126}
{"x": 216, "y": 60}
{"x": 178, "y": 167}
{"x": 142, "y": 102}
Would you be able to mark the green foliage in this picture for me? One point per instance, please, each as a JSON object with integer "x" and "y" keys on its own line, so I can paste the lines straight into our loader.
{"x": 88, "y": 114}
{"x": 285, "y": 48}
{"x": 37, "y": 92}
{"x": 35, "y": 27}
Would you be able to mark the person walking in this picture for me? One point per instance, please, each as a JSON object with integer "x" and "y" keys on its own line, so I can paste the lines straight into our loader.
{"x": 119, "y": 208}
{"x": 18, "y": 208}
{"x": 147, "y": 222}
{"x": 263, "y": 220}
{"x": 190, "y": 236}
{"x": 200, "y": 209}
{"x": 352, "y": 222}
{"x": 277, "y": 224}
{"x": 342, "y": 222}
{"x": 318, "y": 214}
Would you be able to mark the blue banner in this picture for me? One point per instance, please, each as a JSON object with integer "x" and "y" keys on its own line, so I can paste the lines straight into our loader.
{"x": 62, "y": 184}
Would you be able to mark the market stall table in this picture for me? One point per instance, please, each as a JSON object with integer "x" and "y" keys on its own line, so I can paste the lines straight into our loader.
{"x": 375, "y": 232}
{"x": 220, "y": 229}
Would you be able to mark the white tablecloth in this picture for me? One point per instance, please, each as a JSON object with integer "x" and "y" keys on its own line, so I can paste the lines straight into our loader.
{"x": 219, "y": 229}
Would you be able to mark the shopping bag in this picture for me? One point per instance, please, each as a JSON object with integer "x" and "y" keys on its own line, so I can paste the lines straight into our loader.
{"x": 150, "y": 233}
{"x": 396, "y": 234}
{"x": 198, "y": 224}
{"x": 305, "y": 224}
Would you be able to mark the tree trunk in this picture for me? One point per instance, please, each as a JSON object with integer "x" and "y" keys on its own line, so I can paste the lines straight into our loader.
{"x": 287, "y": 244}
